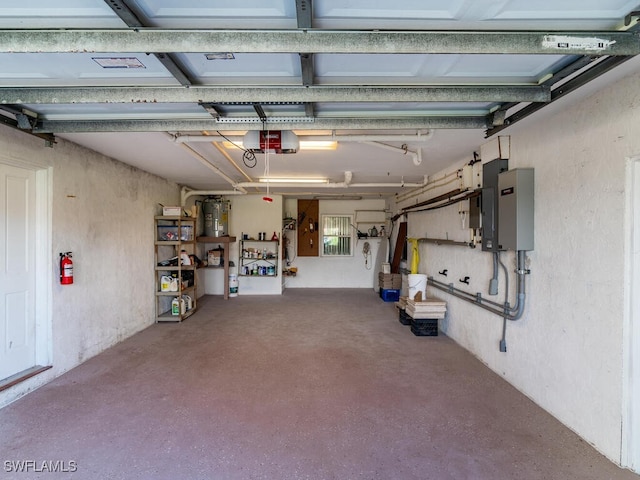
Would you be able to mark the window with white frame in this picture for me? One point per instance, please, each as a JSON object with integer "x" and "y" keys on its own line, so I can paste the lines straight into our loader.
{"x": 337, "y": 235}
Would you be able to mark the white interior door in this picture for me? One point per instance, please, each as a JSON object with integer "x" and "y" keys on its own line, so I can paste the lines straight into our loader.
{"x": 17, "y": 270}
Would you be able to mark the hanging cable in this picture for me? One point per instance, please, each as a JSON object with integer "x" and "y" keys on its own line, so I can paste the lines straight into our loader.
{"x": 248, "y": 156}
{"x": 249, "y": 159}
{"x": 267, "y": 147}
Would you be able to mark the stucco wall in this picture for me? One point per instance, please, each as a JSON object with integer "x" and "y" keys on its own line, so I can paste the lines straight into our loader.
{"x": 566, "y": 351}
{"x": 101, "y": 210}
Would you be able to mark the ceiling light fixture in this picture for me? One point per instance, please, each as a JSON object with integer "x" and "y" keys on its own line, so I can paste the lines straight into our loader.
{"x": 338, "y": 197}
{"x": 318, "y": 145}
{"x": 304, "y": 145}
{"x": 293, "y": 180}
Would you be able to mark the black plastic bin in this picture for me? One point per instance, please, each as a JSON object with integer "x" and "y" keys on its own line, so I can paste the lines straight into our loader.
{"x": 424, "y": 327}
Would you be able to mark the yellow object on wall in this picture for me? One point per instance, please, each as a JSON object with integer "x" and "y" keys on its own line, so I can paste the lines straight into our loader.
{"x": 415, "y": 255}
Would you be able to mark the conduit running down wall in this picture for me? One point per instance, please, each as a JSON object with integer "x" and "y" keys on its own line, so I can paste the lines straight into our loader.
{"x": 505, "y": 311}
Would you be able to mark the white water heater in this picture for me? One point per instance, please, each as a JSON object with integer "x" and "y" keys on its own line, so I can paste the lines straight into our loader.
{"x": 216, "y": 217}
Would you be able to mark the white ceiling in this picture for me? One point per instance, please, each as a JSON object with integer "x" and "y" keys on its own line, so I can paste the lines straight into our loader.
{"x": 318, "y": 67}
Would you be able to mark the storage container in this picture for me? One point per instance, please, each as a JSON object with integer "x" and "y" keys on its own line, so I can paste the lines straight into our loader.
{"x": 171, "y": 211}
{"x": 390, "y": 294}
{"x": 403, "y": 318}
{"x": 169, "y": 233}
{"x": 424, "y": 327}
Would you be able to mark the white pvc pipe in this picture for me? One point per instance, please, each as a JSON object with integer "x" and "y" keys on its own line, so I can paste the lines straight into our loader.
{"x": 416, "y": 156}
{"x": 345, "y": 184}
{"x": 419, "y": 137}
{"x": 289, "y": 185}
{"x": 401, "y": 184}
{"x": 328, "y": 185}
{"x": 185, "y": 193}
{"x": 209, "y": 165}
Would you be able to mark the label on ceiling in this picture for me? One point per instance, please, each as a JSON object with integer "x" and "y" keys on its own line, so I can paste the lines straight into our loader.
{"x": 566, "y": 42}
{"x": 271, "y": 140}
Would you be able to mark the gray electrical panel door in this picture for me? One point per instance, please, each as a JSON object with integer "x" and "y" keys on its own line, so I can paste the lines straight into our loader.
{"x": 490, "y": 172}
{"x": 515, "y": 209}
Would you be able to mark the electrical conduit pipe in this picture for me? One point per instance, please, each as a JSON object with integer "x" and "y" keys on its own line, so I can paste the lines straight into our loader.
{"x": 510, "y": 313}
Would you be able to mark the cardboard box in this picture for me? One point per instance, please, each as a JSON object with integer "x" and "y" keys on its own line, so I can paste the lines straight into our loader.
{"x": 172, "y": 211}
{"x": 214, "y": 258}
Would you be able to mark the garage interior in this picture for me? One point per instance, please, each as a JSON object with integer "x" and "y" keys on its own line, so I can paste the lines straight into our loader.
{"x": 491, "y": 148}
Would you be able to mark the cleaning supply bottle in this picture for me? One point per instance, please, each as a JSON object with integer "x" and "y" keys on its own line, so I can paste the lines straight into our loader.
{"x": 175, "y": 306}
{"x": 165, "y": 283}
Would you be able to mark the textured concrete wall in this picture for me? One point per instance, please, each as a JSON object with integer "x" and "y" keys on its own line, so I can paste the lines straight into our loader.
{"x": 102, "y": 211}
{"x": 566, "y": 352}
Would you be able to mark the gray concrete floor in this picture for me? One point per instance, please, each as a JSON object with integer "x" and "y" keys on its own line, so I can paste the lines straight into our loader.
{"x": 313, "y": 384}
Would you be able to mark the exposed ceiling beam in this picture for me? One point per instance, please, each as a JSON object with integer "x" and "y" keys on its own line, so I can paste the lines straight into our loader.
{"x": 306, "y": 66}
{"x": 72, "y": 126}
{"x": 304, "y": 11}
{"x": 309, "y": 110}
{"x": 14, "y": 123}
{"x": 129, "y": 17}
{"x": 585, "y": 77}
{"x": 260, "y": 112}
{"x": 214, "y": 109}
{"x": 317, "y": 41}
{"x": 211, "y": 94}
{"x": 171, "y": 64}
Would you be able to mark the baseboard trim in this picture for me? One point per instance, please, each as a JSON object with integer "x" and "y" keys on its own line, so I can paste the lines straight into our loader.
{"x": 22, "y": 376}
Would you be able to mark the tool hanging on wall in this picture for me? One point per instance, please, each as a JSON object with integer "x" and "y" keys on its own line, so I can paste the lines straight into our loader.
{"x": 415, "y": 255}
{"x": 366, "y": 252}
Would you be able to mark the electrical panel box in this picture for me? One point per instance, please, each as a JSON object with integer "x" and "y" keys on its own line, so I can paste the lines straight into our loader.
{"x": 490, "y": 172}
{"x": 515, "y": 209}
{"x": 474, "y": 212}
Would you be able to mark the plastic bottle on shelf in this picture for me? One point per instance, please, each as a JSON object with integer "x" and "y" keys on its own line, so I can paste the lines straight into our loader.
{"x": 165, "y": 283}
{"x": 176, "y": 305}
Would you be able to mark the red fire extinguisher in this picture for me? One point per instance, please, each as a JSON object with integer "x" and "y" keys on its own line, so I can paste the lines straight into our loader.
{"x": 66, "y": 269}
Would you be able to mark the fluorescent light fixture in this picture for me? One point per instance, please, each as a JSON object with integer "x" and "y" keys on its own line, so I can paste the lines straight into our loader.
{"x": 318, "y": 145}
{"x": 293, "y": 180}
{"x": 338, "y": 197}
{"x": 304, "y": 145}
{"x": 230, "y": 145}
